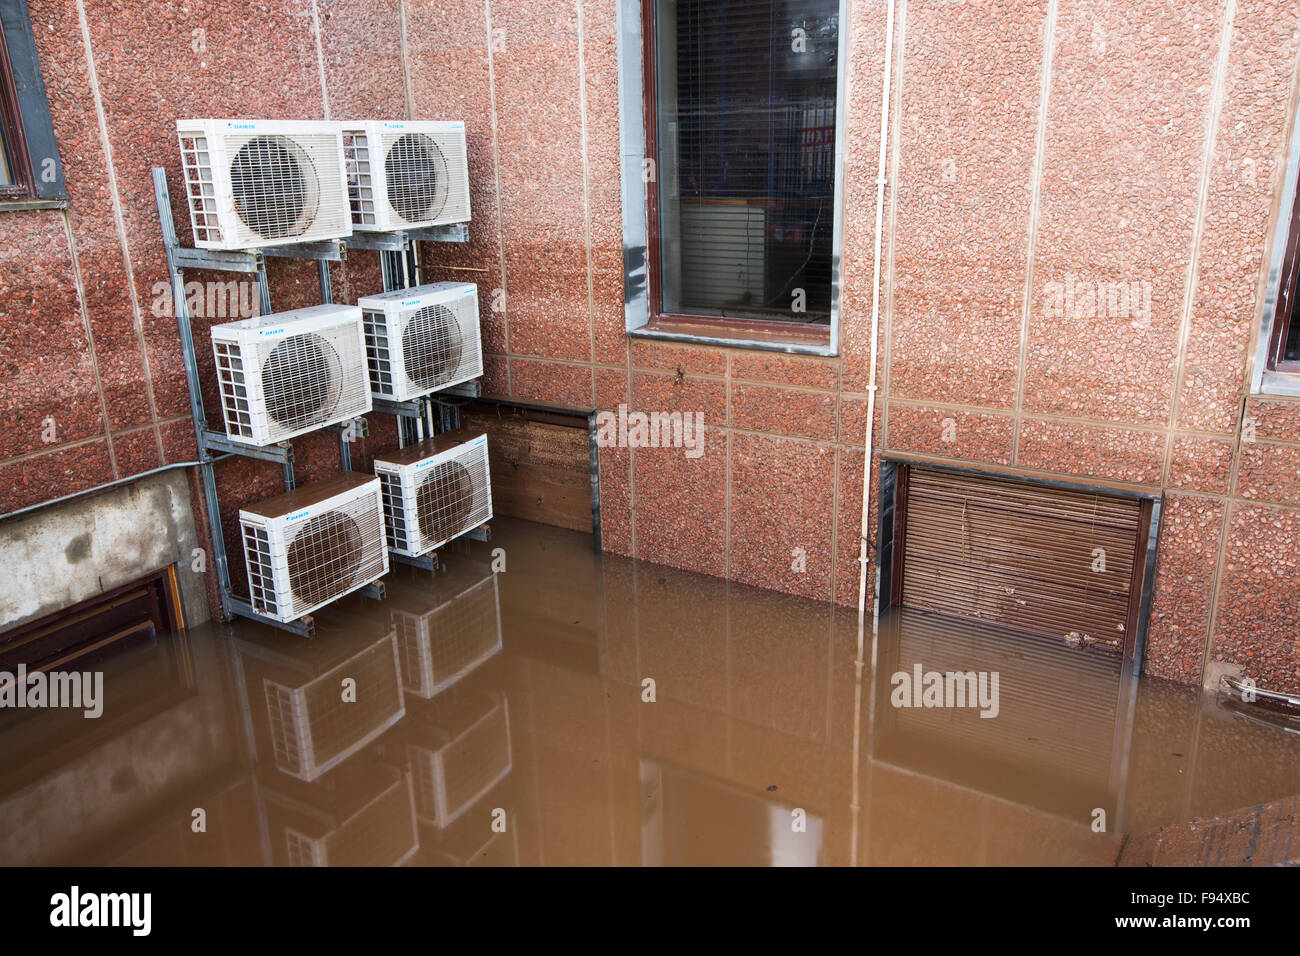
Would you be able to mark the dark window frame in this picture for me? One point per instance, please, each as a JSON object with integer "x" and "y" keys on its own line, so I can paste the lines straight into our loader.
{"x": 25, "y": 112}
{"x": 754, "y": 330}
{"x": 1285, "y": 312}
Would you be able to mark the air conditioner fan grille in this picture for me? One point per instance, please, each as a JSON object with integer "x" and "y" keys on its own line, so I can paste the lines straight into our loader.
{"x": 302, "y": 380}
{"x": 276, "y": 187}
{"x": 417, "y": 177}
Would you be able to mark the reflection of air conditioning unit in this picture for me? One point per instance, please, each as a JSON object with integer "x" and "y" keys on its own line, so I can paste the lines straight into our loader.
{"x": 464, "y": 754}
{"x": 311, "y": 546}
{"x": 363, "y": 816}
{"x": 263, "y": 183}
{"x": 435, "y": 491}
{"x": 447, "y": 628}
{"x": 405, "y": 175}
{"x": 289, "y": 373}
{"x": 301, "y": 722}
{"x": 422, "y": 339}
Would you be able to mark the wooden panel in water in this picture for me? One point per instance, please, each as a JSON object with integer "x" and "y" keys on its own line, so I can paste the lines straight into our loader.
{"x": 540, "y": 471}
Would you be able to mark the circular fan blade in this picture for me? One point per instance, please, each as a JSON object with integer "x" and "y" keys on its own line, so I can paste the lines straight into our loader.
{"x": 324, "y": 556}
{"x": 416, "y": 172}
{"x": 444, "y": 501}
{"x": 431, "y": 346}
{"x": 275, "y": 187}
{"x": 302, "y": 380}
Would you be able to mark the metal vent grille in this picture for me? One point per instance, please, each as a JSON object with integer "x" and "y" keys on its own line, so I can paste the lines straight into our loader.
{"x": 234, "y": 390}
{"x": 276, "y": 187}
{"x": 378, "y": 355}
{"x": 361, "y": 187}
{"x": 426, "y": 175}
{"x": 199, "y": 188}
{"x": 440, "y": 344}
{"x": 394, "y": 513}
{"x": 302, "y": 381}
{"x": 431, "y": 347}
{"x": 261, "y": 576}
{"x": 452, "y": 497}
{"x": 334, "y": 552}
{"x": 1049, "y": 560}
{"x": 417, "y": 177}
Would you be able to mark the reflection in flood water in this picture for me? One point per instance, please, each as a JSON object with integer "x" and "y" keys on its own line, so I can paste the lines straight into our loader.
{"x": 481, "y": 719}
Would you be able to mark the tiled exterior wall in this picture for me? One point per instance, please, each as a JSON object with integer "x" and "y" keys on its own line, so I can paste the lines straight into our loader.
{"x": 1035, "y": 145}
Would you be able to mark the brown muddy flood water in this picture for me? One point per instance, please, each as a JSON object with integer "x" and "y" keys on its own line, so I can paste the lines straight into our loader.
{"x": 499, "y": 720}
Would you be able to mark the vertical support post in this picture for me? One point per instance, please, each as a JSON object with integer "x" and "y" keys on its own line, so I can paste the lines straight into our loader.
{"x": 323, "y": 274}
{"x": 186, "y": 332}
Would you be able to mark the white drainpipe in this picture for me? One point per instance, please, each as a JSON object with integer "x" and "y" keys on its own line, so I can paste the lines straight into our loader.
{"x": 875, "y": 325}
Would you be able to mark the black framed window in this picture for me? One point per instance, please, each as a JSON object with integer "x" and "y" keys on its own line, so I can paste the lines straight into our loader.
{"x": 741, "y": 121}
{"x": 29, "y": 160}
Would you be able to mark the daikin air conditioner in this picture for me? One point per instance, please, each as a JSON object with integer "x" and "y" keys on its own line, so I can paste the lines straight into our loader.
{"x": 422, "y": 339}
{"x": 435, "y": 491}
{"x": 308, "y": 547}
{"x": 291, "y": 372}
{"x": 253, "y": 183}
{"x": 404, "y": 175}
{"x": 446, "y": 628}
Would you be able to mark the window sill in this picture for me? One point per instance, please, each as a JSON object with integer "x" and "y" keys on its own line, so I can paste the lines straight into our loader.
{"x": 1279, "y": 383}
{"x": 21, "y": 205}
{"x": 796, "y": 340}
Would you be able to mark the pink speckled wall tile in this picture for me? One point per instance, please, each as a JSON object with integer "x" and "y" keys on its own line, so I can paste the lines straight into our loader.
{"x": 1272, "y": 418}
{"x": 551, "y": 383}
{"x": 136, "y": 451}
{"x": 51, "y": 395}
{"x": 1269, "y": 472}
{"x": 970, "y": 79}
{"x": 1092, "y": 451}
{"x": 97, "y": 240}
{"x": 784, "y": 370}
{"x": 611, "y": 388}
{"x": 496, "y": 375}
{"x": 1180, "y": 607}
{"x": 361, "y": 45}
{"x": 29, "y": 481}
{"x": 1258, "y": 617}
{"x": 658, "y": 392}
{"x": 783, "y": 411}
{"x": 1249, "y": 146}
{"x": 543, "y": 203}
{"x": 782, "y": 495}
{"x": 615, "y": 501}
{"x": 687, "y": 359}
{"x": 178, "y": 441}
{"x": 950, "y": 433}
{"x": 861, "y": 152}
{"x": 1126, "y": 124}
{"x": 604, "y": 177}
{"x": 1200, "y": 464}
{"x": 681, "y": 505}
{"x": 852, "y": 413}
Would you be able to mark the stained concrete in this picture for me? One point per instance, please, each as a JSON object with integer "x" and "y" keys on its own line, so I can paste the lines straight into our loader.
{"x": 66, "y": 553}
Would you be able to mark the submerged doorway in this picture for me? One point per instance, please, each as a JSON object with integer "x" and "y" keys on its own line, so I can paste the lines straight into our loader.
{"x": 1047, "y": 557}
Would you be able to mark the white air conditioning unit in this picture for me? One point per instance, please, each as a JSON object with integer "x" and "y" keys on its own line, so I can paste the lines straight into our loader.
{"x": 435, "y": 491}
{"x": 289, "y": 373}
{"x": 253, "y": 183}
{"x": 422, "y": 339}
{"x": 404, "y": 175}
{"x": 445, "y": 629}
{"x": 308, "y": 547}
